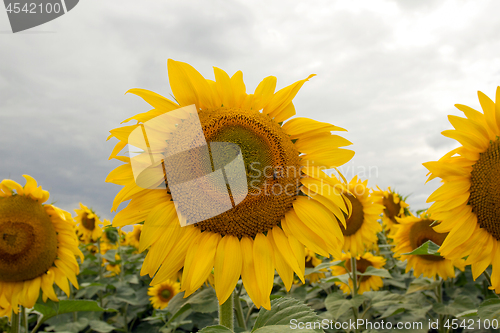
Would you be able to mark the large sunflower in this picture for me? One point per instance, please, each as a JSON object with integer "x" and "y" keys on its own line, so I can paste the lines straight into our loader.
{"x": 468, "y": 202}
{"x": 394, "y": 207}
{"x": 365, "y": 282}
{"x": 412, "y": 233}
{"x": 270, "y": 226}
{"x": 38, "y": 245}
{"x": 89, "y": 226}
{"x": 362, "y": 225}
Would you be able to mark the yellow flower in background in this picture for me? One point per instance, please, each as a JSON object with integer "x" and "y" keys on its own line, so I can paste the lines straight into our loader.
{"x": 412, "y": 233}
{"x": 38, "y": 245}
{"x": 365, "y": 283}
{"x": 312, "y": 261}
{"x": 113, "y": 267}
{"x": 467, "y": 204}
{"x": 394, "y": 207}
{"x": 265, "y": 231}
{"x": 134, "y": 236}
{"x": 162, "y": 293}
{"x": 88, "y": 225}
{"x": 362, "y": 224}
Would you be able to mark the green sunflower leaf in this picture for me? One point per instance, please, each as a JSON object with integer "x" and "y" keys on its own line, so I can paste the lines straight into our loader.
{"x": 215, "y": 329}
{"x": 428, "y": 248}
{"x": 51, "y": 309}
{"x": 372, "y": 271}
{"x": 489, "y": 309}
{"x": 284, "y": 314}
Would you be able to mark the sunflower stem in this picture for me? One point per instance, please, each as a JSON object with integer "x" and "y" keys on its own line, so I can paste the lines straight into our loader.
{"x": 239, "y": 310}
{"x": 488, "y": 277}
{"x": 24, "y": 318}
{"x": 439, "y": 295}
{"x": 226, "y": 316}
{"x": 99, "y": 293}
{"x": 14, "y": 322}
{"x": 354, "y": 274}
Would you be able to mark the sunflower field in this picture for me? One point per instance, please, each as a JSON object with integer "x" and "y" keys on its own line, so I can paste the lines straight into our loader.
{"x": 235, "y": 217}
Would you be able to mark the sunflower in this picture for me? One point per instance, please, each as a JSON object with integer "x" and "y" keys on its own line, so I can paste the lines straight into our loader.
{"x": 467, "y": 204}
{"x": 37, "y": 245}
{"x": 312, "y": 261}
{"x": 412, "y": 233}
{"x": 112, "y": 267}
{"x": 134, "y": 236}
{"x": 394, "y": 207}
{"x": 365, "y": 283}
{"x": 272, "y": 221}
{"x": 89, "y": 226}
{"x": 162, "y": 293}
{"x": 362, "y": 225}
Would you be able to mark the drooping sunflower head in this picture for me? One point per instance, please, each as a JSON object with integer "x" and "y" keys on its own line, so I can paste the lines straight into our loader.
{"x": 365, "y": 283}
{"x": 394, "y": 208}
{"x": 362, "y": 225}
{"x": 220, "y": 147}
{"x": 162, "y": 293}
{"x": 37, "y": 245}
{"x": 412, "y": 233}
{"x": 312, "y": 261}
{"x": 467, "y": 202}
{"x": 89, "y": 227}
{"x": 134, "y": 236}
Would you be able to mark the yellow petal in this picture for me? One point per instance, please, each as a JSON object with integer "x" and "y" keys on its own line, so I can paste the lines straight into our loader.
{"x": 329, "y": 159}
{"x": 227, "y": 269}
{"x": 283, "y": 97}
{"x": 264, "y": 267}
{"x": 264, "y": 93}
{"x": 239, "y": 89}
{"x": 180, "y": 84}
{"x": 248, "y": 271}
{"x": 300, "y": 127}
{"x": 224, "y": 88}
{"x": 175, "y": 259}
{"x": 159, "y": 225}
{"x": 285, "y": 271}
{"x": 488, "y": 107}
{"x": 292, "y": 225}
{"x": 283, "y": 246}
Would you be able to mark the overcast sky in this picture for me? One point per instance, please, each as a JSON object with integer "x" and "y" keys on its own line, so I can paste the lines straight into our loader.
{"x": 387, "y": 71}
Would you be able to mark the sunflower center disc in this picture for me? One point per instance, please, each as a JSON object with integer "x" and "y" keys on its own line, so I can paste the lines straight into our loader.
{"x": 392, "y": 209}
{"x": 87, "y": 223}
{"x": 485, "y": 189}
{"x": 422, "y": 232}
{"x": 272, "y": 170}
{"x": 28, "y": 240}
{"x": 166, "y": 295}
{"x": 354, "y": 222}
{"x": 361, "y": 266}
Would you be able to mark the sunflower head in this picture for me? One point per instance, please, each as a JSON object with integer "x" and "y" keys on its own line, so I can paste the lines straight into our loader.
{"x": 162, "y": 293}
{"x": 312, "y": 261}
{"x": 134, "y": 236}
{"x": 243, "y": 154}
{"x": 360, "y": 231}
{"x": 412, "y": 233}
{"x": 88, "y": 225}
{"x": 365, "y": 282}
{"x": 394, "y": 207}
{"x": 466, "y": 204}
{"x": 37, "y": 245}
